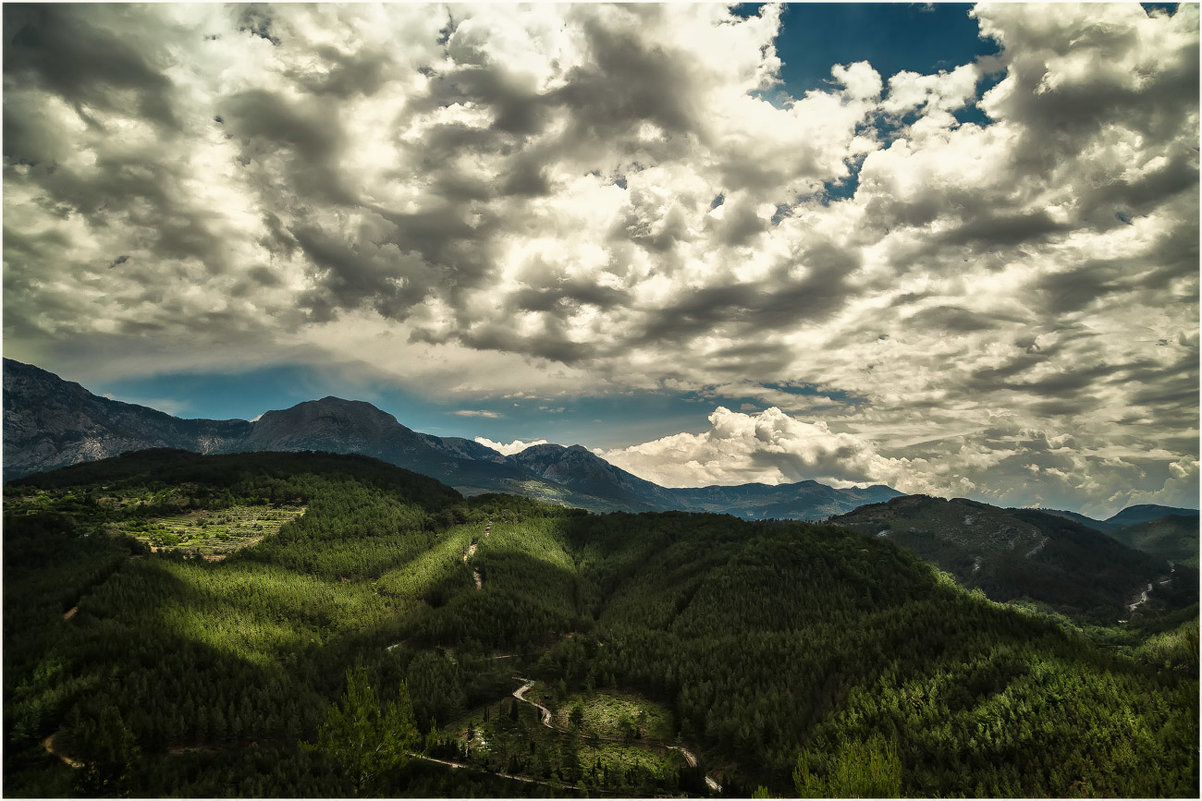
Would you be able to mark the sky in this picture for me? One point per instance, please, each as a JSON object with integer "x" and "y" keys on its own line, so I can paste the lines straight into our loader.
{"x": 948, "y": 248}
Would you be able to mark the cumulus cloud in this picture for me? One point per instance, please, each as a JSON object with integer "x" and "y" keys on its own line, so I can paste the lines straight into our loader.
{"x": 590, "y": 199}
{"x": 517, "y": 446}
{"x": 770, "y": 447}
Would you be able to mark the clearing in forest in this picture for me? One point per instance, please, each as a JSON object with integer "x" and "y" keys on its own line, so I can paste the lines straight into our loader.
{"x": 211, "y": 532}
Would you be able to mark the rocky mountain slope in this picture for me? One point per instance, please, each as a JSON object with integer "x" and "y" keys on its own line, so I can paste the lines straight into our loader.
{"x": 51, "y": 423}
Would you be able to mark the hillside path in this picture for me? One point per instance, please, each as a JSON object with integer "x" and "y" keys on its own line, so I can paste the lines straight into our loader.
{"x": 520, "y": 694}
{"x": 48, "y": 744}
{"x": 468, "y": 554}
{"x": 689, "y": 757}
{"x": 516, "y": 778}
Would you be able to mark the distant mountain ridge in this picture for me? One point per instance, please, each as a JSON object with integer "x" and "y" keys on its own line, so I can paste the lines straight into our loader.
{"x": 50, "y": 423}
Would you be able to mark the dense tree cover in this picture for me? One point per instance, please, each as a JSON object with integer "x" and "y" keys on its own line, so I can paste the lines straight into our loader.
{"x": 387, "y": 627}
{"x": 1031, "y": 556}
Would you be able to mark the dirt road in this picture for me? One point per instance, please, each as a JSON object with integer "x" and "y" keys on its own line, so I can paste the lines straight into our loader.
{"x": 689, "y": 757}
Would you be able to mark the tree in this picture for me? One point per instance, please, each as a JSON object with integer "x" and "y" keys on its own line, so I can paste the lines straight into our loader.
{"x": 365, "y": 741}
{"x": 108, "y": 752}
{"x": 858, "y": 770}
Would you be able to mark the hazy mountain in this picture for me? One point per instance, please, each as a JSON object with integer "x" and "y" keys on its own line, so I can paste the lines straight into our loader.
{"x": 1100, "y": 525}
{"x": 1144, "y": 512}
{"x": 1165, "y": 531}
{"x": 1016, "y": 554}
{"x": 1173, "y": 537}
{"x": 804, "y": 500}
{"x": 579, "y": 469}
{"x": 51, "y": 423}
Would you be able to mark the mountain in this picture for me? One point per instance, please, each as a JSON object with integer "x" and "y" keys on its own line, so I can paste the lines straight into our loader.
{"x": 1165, "y": 531}
{"x": 1098, "y": 525}
{"x": 341, "y": 426}
{"x": 1144, "y": 512}
{"x": 51, "y": 423}
{"x": 804, "y": 500}
{"x": 1017, "y": 554}
{"x": 579, "y": 469}
{"x": 1173, "y": 537}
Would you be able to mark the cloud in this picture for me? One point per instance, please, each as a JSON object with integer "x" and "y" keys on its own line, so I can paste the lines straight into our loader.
{"x": 482, "y": 201}
{"x": 478, "y": 413}
{"x": 517, "y": 446}
{"x": 770, "y": 447}
{"x": 1003, "y": 463}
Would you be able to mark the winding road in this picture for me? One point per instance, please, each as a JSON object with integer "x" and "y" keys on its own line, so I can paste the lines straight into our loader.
{"x": 1143, "y": 599}
{"x": 689, "y": 756}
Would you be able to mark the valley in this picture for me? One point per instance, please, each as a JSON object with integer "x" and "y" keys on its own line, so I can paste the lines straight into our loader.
{"x": 383, "y": 635}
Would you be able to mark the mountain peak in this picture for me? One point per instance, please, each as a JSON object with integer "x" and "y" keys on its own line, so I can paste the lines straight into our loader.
{"x": 347, "y": 422}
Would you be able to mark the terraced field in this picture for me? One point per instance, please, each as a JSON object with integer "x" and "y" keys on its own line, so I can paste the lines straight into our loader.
{"x": 208, "y": 533}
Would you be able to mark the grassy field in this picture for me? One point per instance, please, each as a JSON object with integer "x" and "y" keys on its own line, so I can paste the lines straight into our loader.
{"x": 211, "y": 533}
{"x": 617, "y": 715}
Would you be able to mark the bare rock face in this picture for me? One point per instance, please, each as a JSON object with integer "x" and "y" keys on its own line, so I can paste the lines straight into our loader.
{"x": 49, "y": 423}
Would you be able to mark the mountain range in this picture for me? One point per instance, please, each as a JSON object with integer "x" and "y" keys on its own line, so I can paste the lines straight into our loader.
{"x": 51, "y": 423}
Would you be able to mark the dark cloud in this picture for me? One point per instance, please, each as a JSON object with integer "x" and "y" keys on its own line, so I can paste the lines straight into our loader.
{"x": 740, "y": 223}
{"x": 525, "y": 177}
{"x": 955, "y": 319}
{"x": 1005, "y": 230}
{"x": 566, "y": 295}
{"x": 256, "y": 19}
{"x": 351, "y": 275}
{"x": 1072, "y": 291}
{"x": 72, "y": 52}
{"x": 309, "y": 131}
{"x": 627, "y": 79}
{"x": 345, "y": 74}
{"x": 748, "y": 309}
{"x": 516, "y": 109}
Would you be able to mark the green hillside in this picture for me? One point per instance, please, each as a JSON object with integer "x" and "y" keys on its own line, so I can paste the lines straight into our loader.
{"x": 1172, "y": 537}
{"x": 1025, "y": 555}
{"x": 379, "y": 630}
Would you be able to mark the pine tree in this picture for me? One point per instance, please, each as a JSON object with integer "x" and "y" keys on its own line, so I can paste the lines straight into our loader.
{"x": 365, "y": 741}
{"x": 108, "y": 752}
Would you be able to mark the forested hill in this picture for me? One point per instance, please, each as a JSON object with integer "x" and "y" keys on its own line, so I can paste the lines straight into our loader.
{"x": 1030, "y": 555}
{"x": 314, "y": 625}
